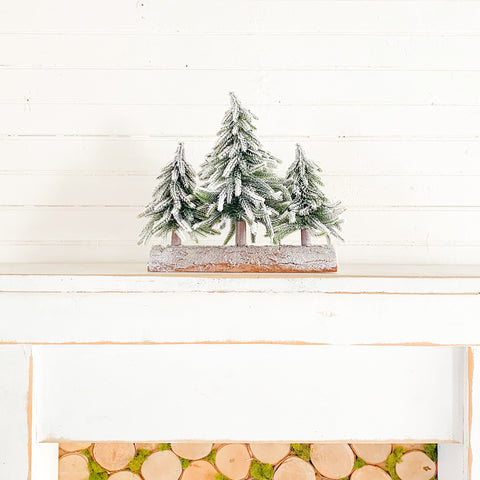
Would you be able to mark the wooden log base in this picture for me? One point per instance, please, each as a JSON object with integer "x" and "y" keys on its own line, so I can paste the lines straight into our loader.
{"x": 249, "y": 259}
{"x": 409, "y": 446}
{"x": 372, "y": 453}
{"x": 233, "y": 461}
{"x": 161, "y": 466}
{"x": 73, "y": 446}
{"x": 192, "y": 451}
{"x": 294, "y": 468}
{"x": 370, "y": 472}
{"x": 334, "y": 461}
{"x": 125, "y": 475}
{"x": 416, "y": 465}
{"x": 199, "y": 470}
{"x": 272, "y": 453}
{"x": 113, "y": 456}
{"x": 73, "y": 466}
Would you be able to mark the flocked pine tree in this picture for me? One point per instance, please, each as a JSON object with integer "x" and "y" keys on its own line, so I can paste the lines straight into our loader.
{"x": 308, "y": 210}
{"x": 239, "y": 181}
{"x": 174, "y": 207}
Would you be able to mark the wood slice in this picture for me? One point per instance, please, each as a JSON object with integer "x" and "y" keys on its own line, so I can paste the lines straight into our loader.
{"x": 272, "y": 453}
{"x": 233, "y": 460}
{"x": 74, "y": 446}
{"x": 192, "y": 451}
{"x": 370, "y": 472}
{"x": 416, "y": 465}
{"x": 125, "y": 475}
{"x": 113, "y": 456}
{"x": 334, "y": 461}
{"x": 294, "y": 468}
{"x": 161, "y": 466}
{"x": 373, "y": 453}
{"x": 410, "y": 446}
{"x": 199, "y": 470}
{"x": 73, "y": 466}
{"x": 146, "y": 446}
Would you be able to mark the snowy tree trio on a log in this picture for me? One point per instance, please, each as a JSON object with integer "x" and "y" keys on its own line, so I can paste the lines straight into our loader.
{"x": 240, "y": 188}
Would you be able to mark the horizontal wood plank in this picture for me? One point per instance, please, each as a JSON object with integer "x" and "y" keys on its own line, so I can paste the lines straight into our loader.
{"x": 352, "y": 190}
{"x": 296, "y": 122}
{"x": 262, "y": 52}
{"x": 293, "y": 16}
{"x": 209, "y": 87}
{"x": 348, "y": 156}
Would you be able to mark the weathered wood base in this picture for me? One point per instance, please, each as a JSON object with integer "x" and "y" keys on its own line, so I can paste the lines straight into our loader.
{"x": 249, "y": 259}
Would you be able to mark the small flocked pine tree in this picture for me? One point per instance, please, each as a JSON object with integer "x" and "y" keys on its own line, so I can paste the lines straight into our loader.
{"x": 174, "y": 207}
{"x": 239, "y": 181}
{"x": 308, "y": 210}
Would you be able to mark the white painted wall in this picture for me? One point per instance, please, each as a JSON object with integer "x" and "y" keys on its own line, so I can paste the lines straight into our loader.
{"x": 384, "y": 95}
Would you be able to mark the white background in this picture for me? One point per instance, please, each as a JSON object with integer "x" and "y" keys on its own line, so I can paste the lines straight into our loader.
{"x": 383, "y": 94}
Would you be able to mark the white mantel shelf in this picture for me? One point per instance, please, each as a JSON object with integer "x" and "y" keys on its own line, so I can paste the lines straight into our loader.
{"x": 126, "y": 304}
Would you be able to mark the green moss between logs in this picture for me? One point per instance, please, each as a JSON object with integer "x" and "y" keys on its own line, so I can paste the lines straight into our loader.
{"x": 392, "y": 460}
{"x": 164, "y": 446}
{"x": 359, "y": 463}
{"x": 96, "y": 472}
{"x": 136, "y": 462}
{"x": 431, "y": 451}
{"x": 211, "y": 457}
{"x": 261, "y": 471}
{"x": 301, "y": 450}
{"x": 185, "y": 462}
{"x": 219, "y": 476}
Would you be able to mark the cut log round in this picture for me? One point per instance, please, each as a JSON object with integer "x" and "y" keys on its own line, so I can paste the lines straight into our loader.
{"x": 146, "y": 446}
{"x": 373, "y": 453}
{"x": 113, "y": 456}
{"x": 199, "y": 470}
{"x": 334, "y": 461}
{"x": 370, "y": 472}
{"x": 161, "y": 466}
{"x": 74, "y": 446}
{"x": 410, "y": 446}
{"x": 294, "y": 468}
{"x": 233, "y": 460}
{"x": 416, "y": 465}
{"x": 192, "y": 451}
{"x": 125, "y": 475}
{"x": 272, "y": 453}
{"x": 73, "y": 466}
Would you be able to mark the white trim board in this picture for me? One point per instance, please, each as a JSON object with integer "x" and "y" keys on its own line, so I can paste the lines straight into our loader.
{"x": 242, "y": 392}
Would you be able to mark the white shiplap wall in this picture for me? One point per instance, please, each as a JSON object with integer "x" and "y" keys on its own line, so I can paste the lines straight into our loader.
{"x": 383, "y": 94}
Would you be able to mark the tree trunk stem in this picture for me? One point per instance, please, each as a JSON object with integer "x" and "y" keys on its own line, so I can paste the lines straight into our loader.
{"x": 176, "y": 240}
{"x": 306, "y": 239}
{"x": 240, "y": 234}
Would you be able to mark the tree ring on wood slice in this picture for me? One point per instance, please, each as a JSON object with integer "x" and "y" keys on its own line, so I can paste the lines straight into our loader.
{"x": 73, "y": 446}
{"x": 73, "y": 466}
{"x": 370, "y": 472}
{"x": 192, "y": 451}
{"x": 199, "y": 470}
{"x": 146, "y": 446}
{"x": 233, "y": 460}
{"x": 373, "y": 453}
{"x": 416, "y": 465}
{"x": 334, "y": 461}
{"x": 113, "y": 456}
{"x": 272, "y": 453}
{"x": 163, "y": 465}
{"x": 294, "y": 468}
{"x": 125, "y": 475}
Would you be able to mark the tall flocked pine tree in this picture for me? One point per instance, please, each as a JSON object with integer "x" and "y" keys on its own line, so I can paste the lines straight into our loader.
{"x": 239, "y": 181}
{"x": 309, "y": 210}
{"x": 174, "y": 207}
